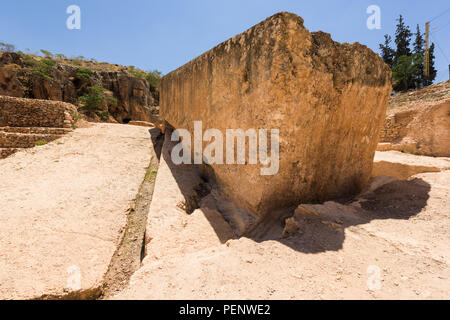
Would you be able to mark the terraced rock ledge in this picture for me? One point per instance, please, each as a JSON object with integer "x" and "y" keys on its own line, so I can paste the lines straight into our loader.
{"x": 25, "y": 123}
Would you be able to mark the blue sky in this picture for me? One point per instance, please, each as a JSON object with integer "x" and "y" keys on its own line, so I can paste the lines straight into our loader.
{"x": 165, "y": 34}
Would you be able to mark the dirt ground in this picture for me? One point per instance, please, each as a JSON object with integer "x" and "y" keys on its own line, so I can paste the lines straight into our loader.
{"x": 77, "y": 207}
{"x": 390, "y": 242}
{"x": 63, "y": 210}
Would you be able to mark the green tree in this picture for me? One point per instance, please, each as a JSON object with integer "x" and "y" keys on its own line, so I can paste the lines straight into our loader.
{"x": 405, "y": 71}
{"x": 402, "y": 39}
{"x": 433, "y": 71}
{"x": 418, "y": 49}
{"x": 84, "y": 74}
{"x": 42, "y": 68}
{"x": 387, "y": 53}
{"x": 6, "y": 47}
{"x": 154, "y": 78}
{"x": 47, "y": 54}
{"x": 95, "y": 100}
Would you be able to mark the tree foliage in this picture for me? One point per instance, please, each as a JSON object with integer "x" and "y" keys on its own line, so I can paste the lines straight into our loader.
{"x": 407, "y": 65}
{"x": 95, "y": 100}
{"x": 405, "y": 72}
{"x": 47, "y": 54}
{"x": 84, "y": 74}
{"x": 402, "y": 38}
{"x": 387, "y": 53}
{"x": 433, "y": 71}
{"x": 42, "y": 68}
{"x": 6, "y": 47}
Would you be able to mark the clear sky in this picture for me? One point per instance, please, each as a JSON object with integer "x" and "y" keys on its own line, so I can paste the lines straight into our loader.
{"x": 165, "y": 34}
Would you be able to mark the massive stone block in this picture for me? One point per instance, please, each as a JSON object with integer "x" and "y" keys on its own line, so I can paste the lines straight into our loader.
{"x": 327, "y": 99}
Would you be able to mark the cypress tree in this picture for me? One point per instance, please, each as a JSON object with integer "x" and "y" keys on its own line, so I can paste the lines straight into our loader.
{"x": 433, "y": 71}
{"x": 387, "y": 53}
{"x": 402, "y": 39}
{"x": 420, "y": 55}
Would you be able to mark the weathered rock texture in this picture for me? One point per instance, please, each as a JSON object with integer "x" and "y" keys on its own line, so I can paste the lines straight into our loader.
{"x": 419, "y": 122}
{"x": 136, "y": 99}
{"x": 327, "y": 99}
{"x": 420, "y": 131}
{"x": 27, "y": 122}
{"x": 402, "y": 226}
{"x": 403, "y": 166}
{"x": 35, "y": 113}
{"x": 64, "y": 208}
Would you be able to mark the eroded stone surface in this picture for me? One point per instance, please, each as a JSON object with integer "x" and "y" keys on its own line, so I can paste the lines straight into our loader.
{"x": 418, "y": 122}
{"x": 400, "y": 228}
{"x": 63, "y": 207}
{"x": 327, "y": 99}
{"x": 135, "y": 97}
{"x": 403, "y": 166}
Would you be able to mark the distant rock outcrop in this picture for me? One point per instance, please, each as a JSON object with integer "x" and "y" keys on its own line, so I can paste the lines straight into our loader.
{"x": 136, "y": 98}
{"x": 418, "y": 122}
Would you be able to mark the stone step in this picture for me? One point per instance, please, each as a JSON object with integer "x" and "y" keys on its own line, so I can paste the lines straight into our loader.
{"x": 24, "y": 140}
{"x": 6, "y": 152}
{"x": 35, "y": 130}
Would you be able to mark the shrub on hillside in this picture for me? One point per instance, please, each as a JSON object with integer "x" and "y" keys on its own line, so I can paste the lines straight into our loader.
{"x": 154, "y": 78}
{"x": 47, "y": 54}
{"x": 84, "y": 74}
{"x": 42, "y": 69}
{"x": 94, "y": 100}
{"x": 6, "y": 47}
{"x": 39, "y": 68}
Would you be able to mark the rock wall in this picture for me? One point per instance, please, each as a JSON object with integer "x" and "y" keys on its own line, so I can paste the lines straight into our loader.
{"x": 135, "y": 97}
{"x": 327, "y": 99}
{"x": 422, "y": 131}
{"x": 395, "y": 125}
{"x": 20, "y": 112}
{"x": 13, "y": 140}
{"x": 6, "y": 152}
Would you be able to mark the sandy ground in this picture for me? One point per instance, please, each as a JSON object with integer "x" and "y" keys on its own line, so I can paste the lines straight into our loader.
{"x": 404, "y": 165}
{"x": 63, "y": 207}
{"x": 391, "y": 242}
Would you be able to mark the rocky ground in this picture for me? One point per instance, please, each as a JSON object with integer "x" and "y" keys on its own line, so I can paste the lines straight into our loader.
{"x": 57, "y": 222}
{"x": 103, "y": 213}
{"x": 419, "y": 99}
{"x": 64, "y": 209}
{"x": 390, "y": 242}
{"x": 418, "y": 122}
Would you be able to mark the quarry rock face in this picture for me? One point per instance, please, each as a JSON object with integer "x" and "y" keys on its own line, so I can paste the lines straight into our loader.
{"x": 328, "y": 101}
{"x": 421, "y": 131}
{"x": 135, "y": 97}
{"x": 418, "y": 122}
